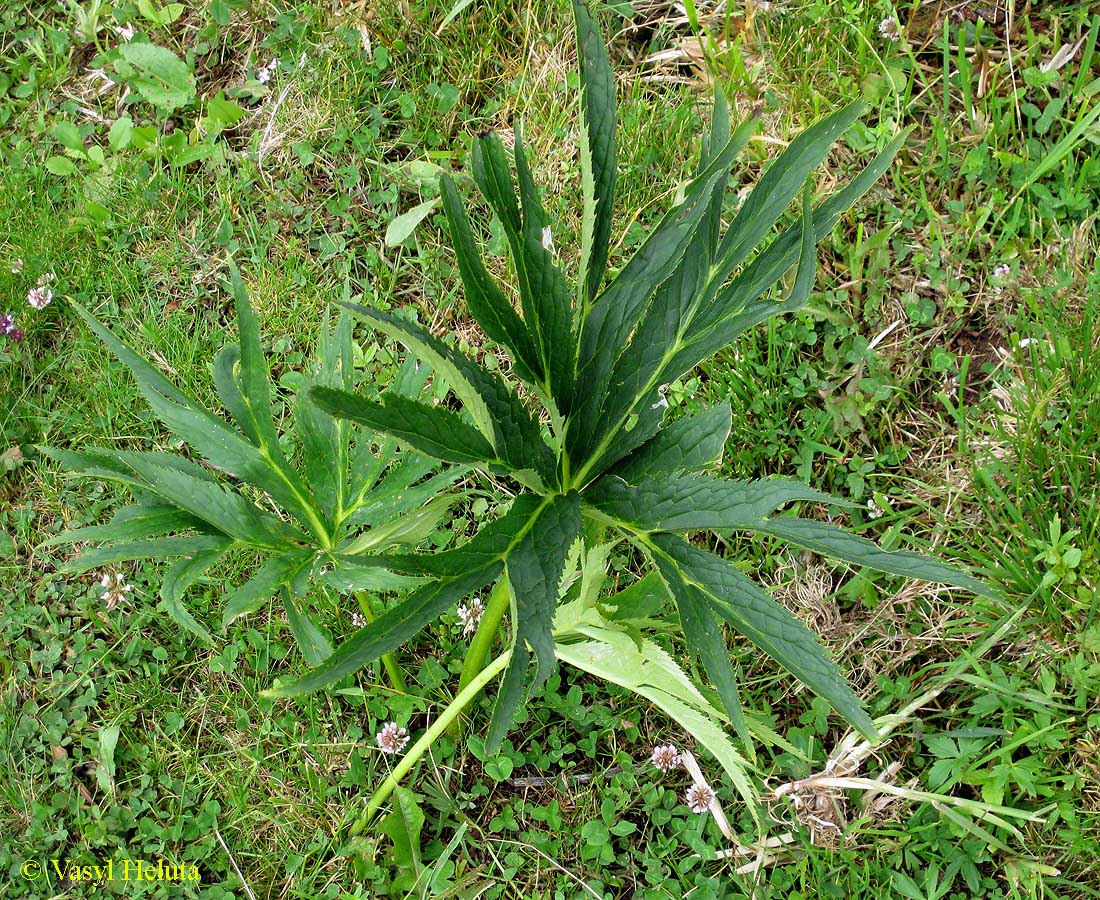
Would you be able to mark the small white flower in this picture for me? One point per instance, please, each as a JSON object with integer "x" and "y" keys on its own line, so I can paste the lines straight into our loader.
{"x": 392, "y": 739}
{"x": 876, "y": 509}
{"x": 888, "y": 28}
{"x": 1026, "y": 342}
{"x": 357, "y": 620}
{"x": 117, "y": 589}
{"x": 264, "y": 73}
{"x": 548, "y": 240}
{"x": 45, "y": 278}
{"x": 1002, "y": 271}
{"x": 699, "y": 798}
{"x": 126, "y": 32}
{"x": 662, "y": 402}
{"x": 17, "y": 266}
{"x": 470, "y": 616}
{"x": 665, "y": 757}
{"x": 39, "y": 297}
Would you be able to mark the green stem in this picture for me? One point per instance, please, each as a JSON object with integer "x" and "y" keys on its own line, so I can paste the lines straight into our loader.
{"x": 500, "y": 599}
{"x": 449, "y": 715}
{"x": 393, "y": 670}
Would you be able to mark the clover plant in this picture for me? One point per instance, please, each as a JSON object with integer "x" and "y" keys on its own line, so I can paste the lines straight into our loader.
{"x": 246, "y": 495}
{"x": 587, "y": 448}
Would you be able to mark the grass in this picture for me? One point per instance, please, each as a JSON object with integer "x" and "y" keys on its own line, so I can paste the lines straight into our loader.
{"x": 954, "y": 395}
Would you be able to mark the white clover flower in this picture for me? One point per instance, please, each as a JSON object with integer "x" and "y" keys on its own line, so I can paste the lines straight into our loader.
{"x": 39, "y": 297}
{"x": 888, "y": 28}
{"x": 17, "y": 266}
{"x": 117, "y": 589}
{"x": 875, "y": 509}
{"x": 470, "y": 616}
{"x": 662, "y": 402}
{"x": 1002, "y": 271}
{"x": 392, "y": 739}
{"x": 665, "y": 757}
{"x": 358, "y": 620}
{"x": 699, "y": 798}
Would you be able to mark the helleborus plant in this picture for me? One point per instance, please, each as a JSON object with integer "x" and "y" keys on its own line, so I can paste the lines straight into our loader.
{"x": 297, "y": 524}
{"x": 589, "y": 446}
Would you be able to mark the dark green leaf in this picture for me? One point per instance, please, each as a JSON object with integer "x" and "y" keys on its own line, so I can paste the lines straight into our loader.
{"x": 132, "y": 522}
{"x": 599, "y": 166}
{"x": 828, "y": 540}
{"x": 178, "y": 579}
{"x": 488, "y": 305}
{"x": 153, "y": 548}
{"x": 688, "y": 444}
{"x": 535, "y": 566}
{"x": 755, "y": 614}
{"x": 311, "y": 641}
{"x": 696, "y": 502}
{"x": 390, "y": 630}
{"x": 277, "y": 572}
{"x": 432, "y": 430}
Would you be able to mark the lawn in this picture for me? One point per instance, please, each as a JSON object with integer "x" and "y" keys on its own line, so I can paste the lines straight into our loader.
{"x": 942, "y": 377}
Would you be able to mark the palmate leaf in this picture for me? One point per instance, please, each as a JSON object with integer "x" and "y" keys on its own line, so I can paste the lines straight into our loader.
{"x": 617, "y": 311}
{"x": 220, "y": 445}
{"x": 700, "y": 579}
